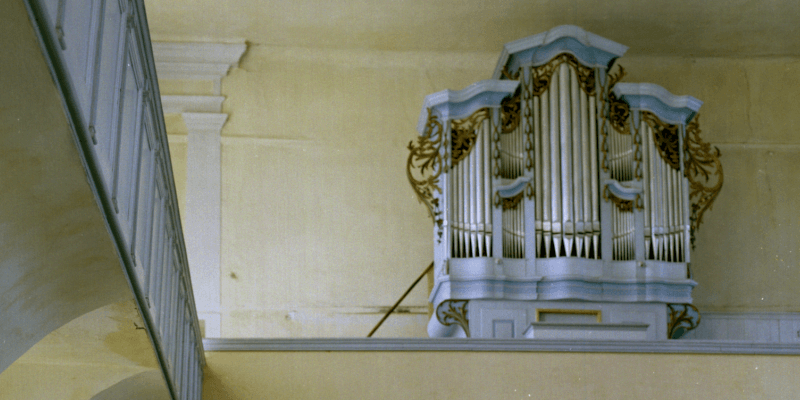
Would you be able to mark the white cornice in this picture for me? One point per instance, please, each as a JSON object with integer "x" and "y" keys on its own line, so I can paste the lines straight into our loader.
{"x": 196, "y": 61}
{"x": 217, "y": 53}
{"x": 192, "y": 71}
{"x": 191, "y": 104}
{"x": 459, "y": 96}
{"x": 653, "y": 90}
{"x": 585, "y": 38}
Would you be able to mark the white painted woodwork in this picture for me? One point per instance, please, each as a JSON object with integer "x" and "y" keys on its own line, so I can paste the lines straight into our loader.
{"x": 562, "y": 331}
{"x": 203, "y": 213}
{"x": 562, "y": 241}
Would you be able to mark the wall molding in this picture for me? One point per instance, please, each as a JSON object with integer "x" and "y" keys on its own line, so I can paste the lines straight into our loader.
{"x": 173, "y": 104}
{"x": 502, "y": 345}
{"x": 759, "y": 327}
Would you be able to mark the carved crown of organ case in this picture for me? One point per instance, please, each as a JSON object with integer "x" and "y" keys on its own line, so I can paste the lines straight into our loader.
{"x": 564, "y": 201}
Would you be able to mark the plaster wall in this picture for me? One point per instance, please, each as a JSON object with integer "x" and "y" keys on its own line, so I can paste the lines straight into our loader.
{"x": 321, "y": 231}
{"x": 87, "y": 356}
{"x": 748, "y": 246}
{"x": 459, "y": 375}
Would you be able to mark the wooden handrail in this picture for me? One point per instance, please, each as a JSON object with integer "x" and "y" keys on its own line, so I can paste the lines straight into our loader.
{"x": 391, "y": 310}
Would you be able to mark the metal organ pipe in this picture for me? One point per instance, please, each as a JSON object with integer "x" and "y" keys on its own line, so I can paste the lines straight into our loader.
{"x": 537, "y": 171}
{"x": 470, "y": 189}
{"x": 664, "y": 203}
{"x": 584, "y": 222}
{"x": 555, "y": 164}
{"x": 487, "y": 185}
{"x": 577, "y": 175}
{"x": 558, "y": 137}
{"x": 566, "y": 157}
{"x": 565, "y": 172}
{"x": 545, "y": 173}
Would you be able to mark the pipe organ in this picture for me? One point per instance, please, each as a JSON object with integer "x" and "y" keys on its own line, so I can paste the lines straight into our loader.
{"x": 563, "y": 199}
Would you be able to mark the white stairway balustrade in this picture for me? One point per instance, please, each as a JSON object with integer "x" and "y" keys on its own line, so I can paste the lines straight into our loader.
{"x": 101, "y": 58}
{"x": 557, "y": 191}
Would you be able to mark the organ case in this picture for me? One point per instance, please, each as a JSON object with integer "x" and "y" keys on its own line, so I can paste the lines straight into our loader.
{"x": 554, "y": 186}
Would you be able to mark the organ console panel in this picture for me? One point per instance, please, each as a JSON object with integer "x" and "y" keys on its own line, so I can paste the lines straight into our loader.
{"x": 556, "y": 186}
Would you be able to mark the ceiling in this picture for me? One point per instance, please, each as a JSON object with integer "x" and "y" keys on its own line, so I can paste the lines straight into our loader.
{"x": 690, "y": 28}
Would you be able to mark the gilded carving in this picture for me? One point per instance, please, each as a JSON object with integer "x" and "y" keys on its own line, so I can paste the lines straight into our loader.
{"x": 665, "y": 137}
{"x": 680, "y": 320}
{"x": 511, "y": 203}
{"x": 451, "y": 312}
{"x": 464, "y": 135}
{"x": 613, "y": 114}
{"x": 509, "y": 111}
{"x": 618, "y": 114}
{"x": 424, "y": 167}
{"x": 528, "y": 115}
{"x": 704, "y": 172}
{"x": 542, "y": 74}
{"x": 496, "y": 151}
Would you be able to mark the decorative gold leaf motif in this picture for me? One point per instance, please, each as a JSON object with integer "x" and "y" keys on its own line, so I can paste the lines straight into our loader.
{"x": 618, "y": 114}
{"x": 613, "y": 79}
{"x": 680, "y": 321}
{"x": 701, "y": 162}
{"x": 528, "y": 115}
{"x": 622, "y": 205}
{"x": 424, "y": 167}
{"x": 464, "y": 135}
{"x": 496, "y": 151}
{"x": 451, "y": 312}
{"x": 665, "y": 137}
{"x": 614, "y": 111}
{"x": 511, "y": 203}
{"x": 509, "y": 110}
{"x": 542, "y": 74}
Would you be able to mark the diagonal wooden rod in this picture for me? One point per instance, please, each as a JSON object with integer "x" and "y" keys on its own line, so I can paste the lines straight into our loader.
{"x": 401, "y": 299}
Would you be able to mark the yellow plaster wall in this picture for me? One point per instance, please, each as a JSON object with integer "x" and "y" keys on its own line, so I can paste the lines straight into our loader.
{"x": 85, "y": 357}
{"x": 486, "y": 375}
{"x": 321, "y": 231}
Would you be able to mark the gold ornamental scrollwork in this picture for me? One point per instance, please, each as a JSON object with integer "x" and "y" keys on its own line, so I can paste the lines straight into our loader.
{"x": 464, "y": 136}
{"x": 425, "y": 165}
{"x": 704, "y": 172}
{"x": 665, "y": 137}
{"x": 543, "y": 74}
{"x": 511, "y": 203}
{"x": 616, "y": 113}
{"x": 529, "y": 191}
{"x": 453, "y": 312}
{"x": 681, "y": 320}
{"x": 510, "y": 112}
